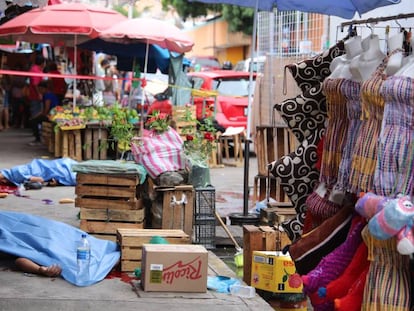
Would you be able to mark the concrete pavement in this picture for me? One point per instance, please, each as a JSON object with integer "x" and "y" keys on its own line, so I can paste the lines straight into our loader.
{"x": 20, "y": 291}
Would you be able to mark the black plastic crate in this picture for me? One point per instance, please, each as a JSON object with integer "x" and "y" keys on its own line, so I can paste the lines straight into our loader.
{"x": 204, "y": 233}
{"x": 204, "y": 229}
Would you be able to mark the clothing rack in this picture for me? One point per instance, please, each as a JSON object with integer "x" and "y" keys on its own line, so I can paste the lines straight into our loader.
{"x": 376, "y": 20}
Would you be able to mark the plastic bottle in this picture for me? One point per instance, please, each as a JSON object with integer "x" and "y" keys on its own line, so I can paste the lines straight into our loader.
{"x": 83, "y": 254}
{"x": 243, "y": 291}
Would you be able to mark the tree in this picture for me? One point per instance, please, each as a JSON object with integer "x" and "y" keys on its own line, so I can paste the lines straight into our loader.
{"x": 238, "y": 18}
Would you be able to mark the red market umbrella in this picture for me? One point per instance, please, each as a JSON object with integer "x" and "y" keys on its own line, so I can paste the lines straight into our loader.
{"x": 61, "y": 24}
{"x": 151, "y": 31}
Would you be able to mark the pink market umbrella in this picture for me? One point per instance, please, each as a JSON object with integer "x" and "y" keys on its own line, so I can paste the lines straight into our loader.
{"x": 61, "y": 24}
{"x": 150, "y": 31}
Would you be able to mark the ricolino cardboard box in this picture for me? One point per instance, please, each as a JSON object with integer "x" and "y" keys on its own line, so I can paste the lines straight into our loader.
{"x": 174, "y": 268}
{"x": 275, "y": 272}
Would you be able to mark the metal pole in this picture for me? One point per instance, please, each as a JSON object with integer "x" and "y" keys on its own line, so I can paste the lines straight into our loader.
{"x": 249, "y": 121}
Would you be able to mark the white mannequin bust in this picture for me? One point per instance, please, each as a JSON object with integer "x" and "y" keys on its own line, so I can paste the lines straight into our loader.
{"x": 363, "y": 67}
{"x": 395, "y": 61}
{"x": 340, "y": 65}
{"x": 407, "y": 69}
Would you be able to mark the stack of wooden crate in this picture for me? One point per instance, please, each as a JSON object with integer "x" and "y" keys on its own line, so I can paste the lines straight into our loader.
{"x": 131, "y": 241}
{"x": 260, "y": 238}
{"x": 181, "y": 124}
{"x": 272, "y": 143}
{"x": 108, "y": 202}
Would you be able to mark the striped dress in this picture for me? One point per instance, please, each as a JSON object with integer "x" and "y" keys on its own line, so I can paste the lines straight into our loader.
{"x": 351, "y": 91}
{"x": 335, "y": 131}
{"x": 387, "y": 287}
{"x": 364, "y": 157}
{"x": 395, "y": 163}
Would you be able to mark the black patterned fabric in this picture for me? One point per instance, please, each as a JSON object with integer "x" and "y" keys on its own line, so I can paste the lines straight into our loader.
{"x": 298, "y": 177}
{"x": 312, "y": 71}
{"x": 306, "y": 113}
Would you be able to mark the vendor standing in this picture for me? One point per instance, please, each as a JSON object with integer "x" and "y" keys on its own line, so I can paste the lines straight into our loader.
{"x": 35, "y": 97}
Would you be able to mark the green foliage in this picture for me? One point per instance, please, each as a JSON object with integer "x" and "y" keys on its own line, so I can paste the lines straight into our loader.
{"x": 238, "y": 18}
{"x": 124, "y": 10}
{"x": 158, "y": 122}
{"x": 200, "y": 140}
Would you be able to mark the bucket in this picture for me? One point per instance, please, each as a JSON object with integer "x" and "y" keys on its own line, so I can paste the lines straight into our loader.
{"x": 238, "y": 259}
{"x": 288, "y": 305}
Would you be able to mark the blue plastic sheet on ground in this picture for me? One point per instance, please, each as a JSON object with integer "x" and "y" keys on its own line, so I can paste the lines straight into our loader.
{"x": 47, "y": 242}
{"x": 221, "y": 284}
{"x": 58, "y": 169}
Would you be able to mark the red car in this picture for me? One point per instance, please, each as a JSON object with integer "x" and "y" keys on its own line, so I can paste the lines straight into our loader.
{"x": 229, "y": 100}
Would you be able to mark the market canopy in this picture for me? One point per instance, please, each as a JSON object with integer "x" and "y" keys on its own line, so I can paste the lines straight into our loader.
{"x": 342, "y": 8}
{"x": 158, "y": 58}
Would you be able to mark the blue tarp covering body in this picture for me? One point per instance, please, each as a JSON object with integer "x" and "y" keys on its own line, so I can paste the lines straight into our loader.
{"x": 59, "y": 169}
{"x": 49, "y": 242}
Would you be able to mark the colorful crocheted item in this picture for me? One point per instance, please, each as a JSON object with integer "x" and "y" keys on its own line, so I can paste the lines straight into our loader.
{"x": 335, "y": 263}
{"x": 405, "y": 241}
{"x": 396, "y": 214}
{"x": 370, "y": 204}
{"x": 353, "y": 300}
{"x": 339, "y": 287}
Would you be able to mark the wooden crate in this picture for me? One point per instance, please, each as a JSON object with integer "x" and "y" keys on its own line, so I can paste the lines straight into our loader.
{"x": 131, "y": 241}
{"x": 268, "y": 187}
{"x": 48, "y": 136}
{"x": 237, "y": 141}
{"x": 276, "y": 213}
{"x": 180, "y": 124}
{"x": 271, "y": 143}
{"x": 95, "y": 142}
{"x": 177, "y": 207}
{"x": 108, "y": 202}
{"x": 71, "y": 143}
{"x": 262, "y": 238}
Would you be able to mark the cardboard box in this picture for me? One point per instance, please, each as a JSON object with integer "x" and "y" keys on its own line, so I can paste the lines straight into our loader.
{"x": 275, "y": 272}
{"x": 174, "y": 268}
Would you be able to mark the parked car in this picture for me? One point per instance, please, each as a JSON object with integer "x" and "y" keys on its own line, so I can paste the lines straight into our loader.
{"x": 225, "y": 96}
{"x": 258, "y": 64}
{"x": 204, "y": 63}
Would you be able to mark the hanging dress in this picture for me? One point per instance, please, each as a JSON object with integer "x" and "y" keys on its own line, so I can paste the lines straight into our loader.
{"x": 336, "y": 131}
{"x": 395, "y": 163}
{"x": 364, "y": 157}
{"x": 351, "y": 90}
{"x": 387, "y": 287}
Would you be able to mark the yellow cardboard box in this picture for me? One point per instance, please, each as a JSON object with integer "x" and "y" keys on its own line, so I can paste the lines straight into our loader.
{"x": 275, "y": 272}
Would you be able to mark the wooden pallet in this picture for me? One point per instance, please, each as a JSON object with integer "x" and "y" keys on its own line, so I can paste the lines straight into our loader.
{"x": 131, "y": 241}
{"x": 108, "y": 202}
{"x": 262, "y": 238}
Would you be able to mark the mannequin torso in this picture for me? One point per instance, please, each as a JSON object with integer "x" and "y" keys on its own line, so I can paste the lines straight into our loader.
{"x": 364, "y": 66}
{"x": 396, "y": 60}
{"x": 340, "y": 65}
